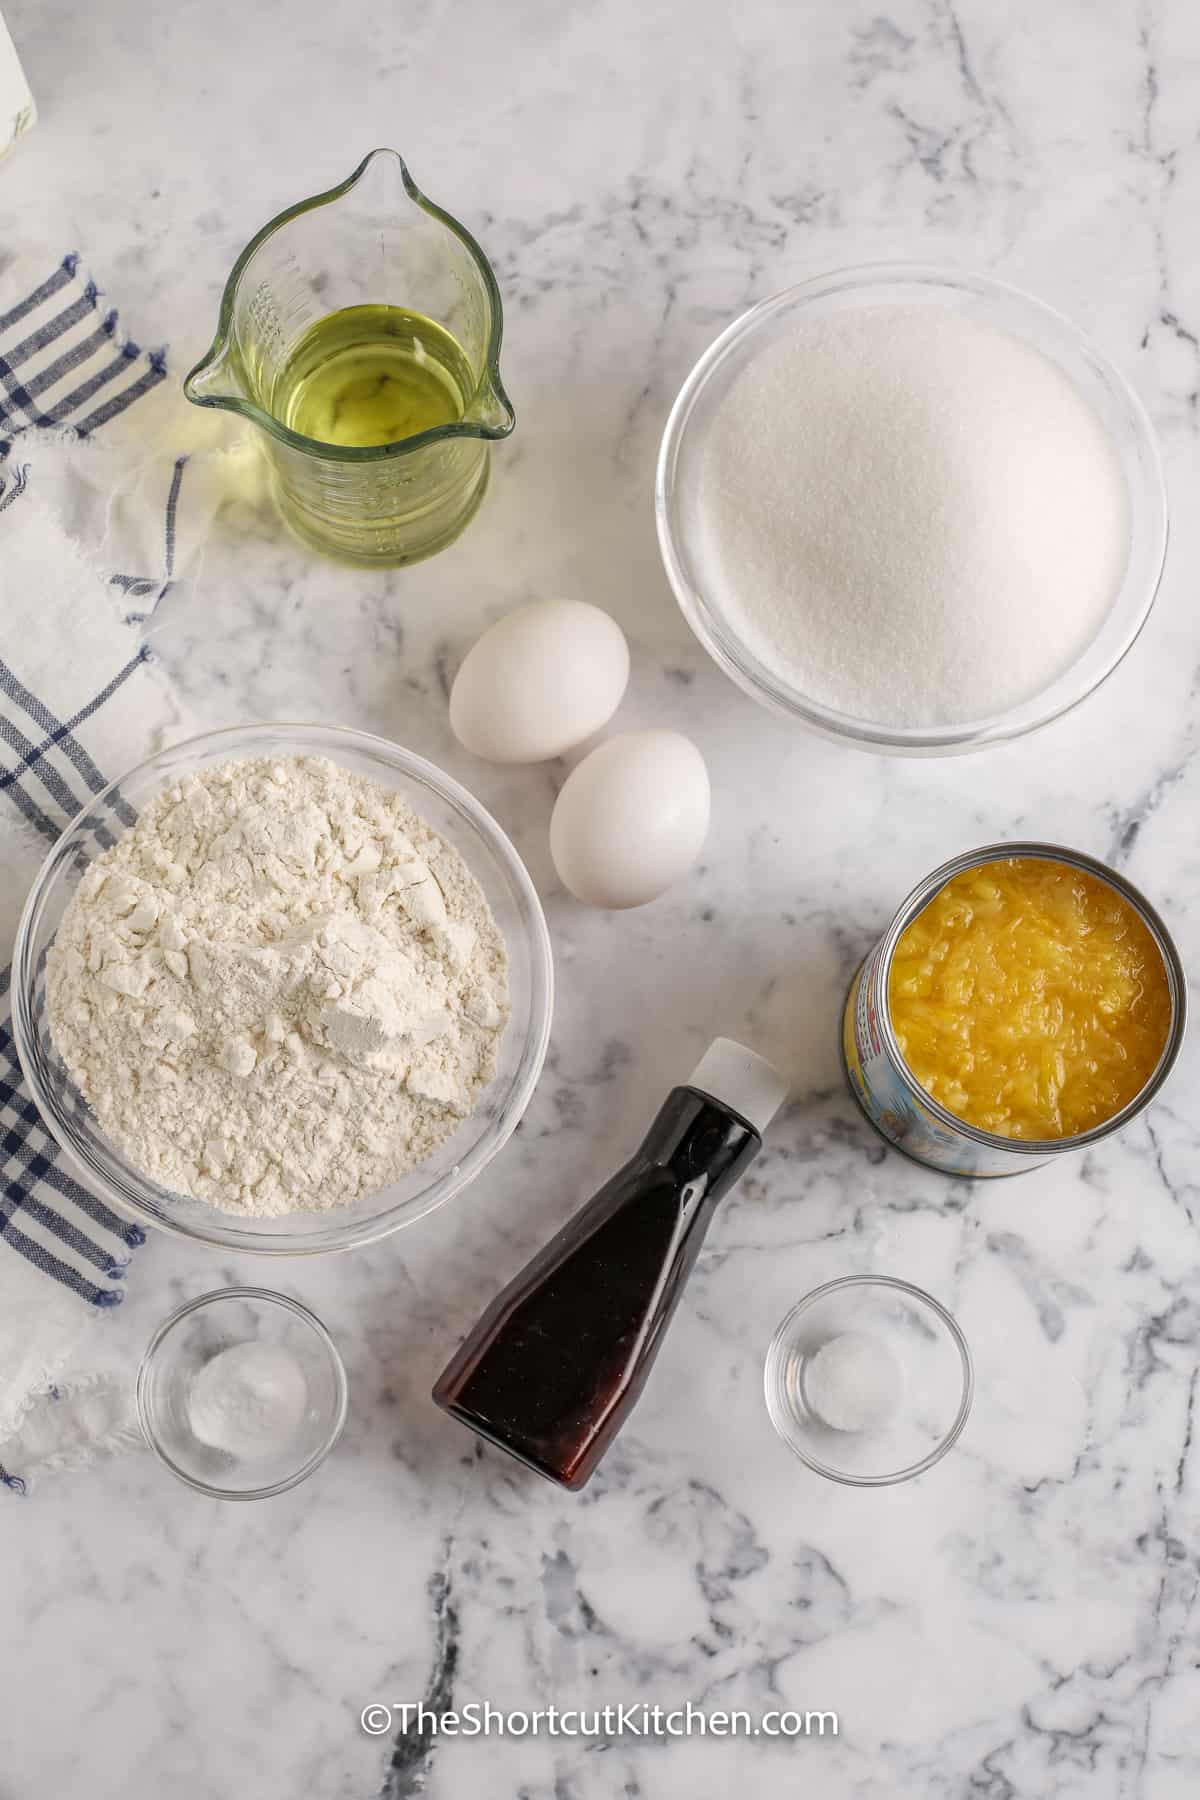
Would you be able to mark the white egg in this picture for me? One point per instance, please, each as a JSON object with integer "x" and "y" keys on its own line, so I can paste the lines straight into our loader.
{"x": 539, "y": 681}
{"x": 631, "y": 818}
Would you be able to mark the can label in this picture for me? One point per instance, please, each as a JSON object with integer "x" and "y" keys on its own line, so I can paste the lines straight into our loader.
{"x": 896, "y": 1112}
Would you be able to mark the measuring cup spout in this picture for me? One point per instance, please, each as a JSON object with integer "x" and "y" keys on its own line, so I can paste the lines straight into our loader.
{"x": 491, "y": 410}
{"x": 214, "y": 380}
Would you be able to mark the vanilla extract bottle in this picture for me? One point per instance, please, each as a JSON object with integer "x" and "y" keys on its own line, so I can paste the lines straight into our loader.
{"x": 554, "y": 1367}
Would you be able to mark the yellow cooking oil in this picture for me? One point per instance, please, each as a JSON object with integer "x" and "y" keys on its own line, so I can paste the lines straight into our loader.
{"x": 371, "y": 375}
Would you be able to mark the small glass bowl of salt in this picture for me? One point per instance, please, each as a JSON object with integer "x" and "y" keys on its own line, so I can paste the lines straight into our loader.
{"x": 869, "y": 1380}
{"x": 242, "y": 1393}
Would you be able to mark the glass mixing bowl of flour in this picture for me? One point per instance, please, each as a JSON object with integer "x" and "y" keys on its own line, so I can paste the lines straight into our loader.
{"x": 707, "y": 593}
{"x": 88, "y": 1154}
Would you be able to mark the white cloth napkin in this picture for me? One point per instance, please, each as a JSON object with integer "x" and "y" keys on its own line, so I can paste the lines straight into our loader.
{"x": 108, "y": 484}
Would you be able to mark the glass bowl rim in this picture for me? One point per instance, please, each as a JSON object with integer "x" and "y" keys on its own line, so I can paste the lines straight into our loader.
{"x": 775, "y": 693}
{"x": 536, "y": 937}
{"x": 262, "y": 1296}
{"x": 957, "y": 1338}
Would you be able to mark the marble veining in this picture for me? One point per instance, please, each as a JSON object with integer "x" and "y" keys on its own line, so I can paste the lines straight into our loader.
{"x": 1022, "y": 1622}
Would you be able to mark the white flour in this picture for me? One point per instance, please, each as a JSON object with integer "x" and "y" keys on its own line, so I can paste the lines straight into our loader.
{"x": 911, "y": 516}
{"x": 280, "y": 989}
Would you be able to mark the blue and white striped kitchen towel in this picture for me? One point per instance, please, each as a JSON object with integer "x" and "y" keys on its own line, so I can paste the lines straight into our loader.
{"x": 102, "y": 511}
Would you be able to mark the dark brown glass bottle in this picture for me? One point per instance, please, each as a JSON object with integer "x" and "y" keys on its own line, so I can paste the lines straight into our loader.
{"x": 556, "y": 1363}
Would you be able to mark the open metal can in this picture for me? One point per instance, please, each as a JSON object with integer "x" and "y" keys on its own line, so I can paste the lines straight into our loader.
{"x": 912, "y": 1120}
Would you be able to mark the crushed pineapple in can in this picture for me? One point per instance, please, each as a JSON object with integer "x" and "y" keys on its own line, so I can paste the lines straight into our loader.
{"x": 1025, "y": 1000}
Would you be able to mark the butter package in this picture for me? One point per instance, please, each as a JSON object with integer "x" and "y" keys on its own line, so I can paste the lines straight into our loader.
{"x": 17, "y": 110}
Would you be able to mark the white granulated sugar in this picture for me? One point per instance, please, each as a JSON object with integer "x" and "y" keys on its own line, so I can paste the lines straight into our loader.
{"x": 911, "y": 516}
{"x": 280, "y": 990}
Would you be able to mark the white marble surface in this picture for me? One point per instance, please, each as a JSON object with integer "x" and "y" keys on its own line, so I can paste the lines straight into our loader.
{"x": 1021, "y": 1623}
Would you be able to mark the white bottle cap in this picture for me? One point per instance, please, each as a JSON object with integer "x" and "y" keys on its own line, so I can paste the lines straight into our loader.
{"x": 741, "y": 1080}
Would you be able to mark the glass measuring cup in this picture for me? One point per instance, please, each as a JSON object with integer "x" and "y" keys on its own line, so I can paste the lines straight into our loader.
{"x": 373, "y": 242}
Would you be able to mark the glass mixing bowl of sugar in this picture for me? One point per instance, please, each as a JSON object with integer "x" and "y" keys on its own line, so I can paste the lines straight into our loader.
{"x": 448, "y": 809}
{"x": 685, "y": 544}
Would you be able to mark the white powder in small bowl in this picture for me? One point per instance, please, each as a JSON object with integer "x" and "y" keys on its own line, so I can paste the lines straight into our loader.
{"x": 853, "y": 1382}
{"x": 248, "y": 1400}
{"x": 911, "y": 516}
